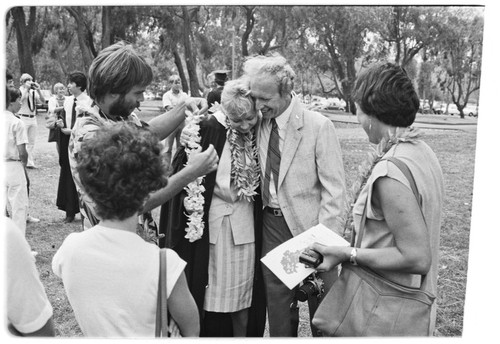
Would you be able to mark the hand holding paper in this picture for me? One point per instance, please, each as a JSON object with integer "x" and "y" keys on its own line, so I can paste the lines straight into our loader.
{"x": 283, "y": 261}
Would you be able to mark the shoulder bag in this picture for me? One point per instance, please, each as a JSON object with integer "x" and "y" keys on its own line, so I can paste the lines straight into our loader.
{"x": 162, "y": 328}
{"x": 55, "y": 131}
{"x": 363, "y": 303}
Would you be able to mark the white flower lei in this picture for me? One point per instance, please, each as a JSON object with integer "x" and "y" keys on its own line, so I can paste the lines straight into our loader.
{"x": 194, "y": 201}
{"x": 245, "y": 169}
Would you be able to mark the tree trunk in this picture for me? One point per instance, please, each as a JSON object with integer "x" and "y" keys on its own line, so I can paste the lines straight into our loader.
{"x": 106, "y": 26}
{"x": 189, "y": 56}
{"x": 180, "y": 69}
{"x": 60, "y": 61}
{"x": 250, "y": 22}
{"x": 348, "y": 84}
{"x": 83, "y": 39}
{"x": 24, "y": 33}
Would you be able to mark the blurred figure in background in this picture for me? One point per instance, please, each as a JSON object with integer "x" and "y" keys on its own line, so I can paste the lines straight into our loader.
{"x": 172, "y": 98}
{"x": 67, "y": 196}
{"x": 220, "y": 78}
{"x": 10, "y": 80}
{"x": 55, "y": 111}
{"x": 30, "y": 96}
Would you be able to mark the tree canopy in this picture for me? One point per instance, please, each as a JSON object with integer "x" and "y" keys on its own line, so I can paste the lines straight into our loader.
{"x": 441, "y": 47}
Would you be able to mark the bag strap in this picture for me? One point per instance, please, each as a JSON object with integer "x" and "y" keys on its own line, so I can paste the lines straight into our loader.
{"x": 409, "y": 176}
{"x": 161, "y": 305}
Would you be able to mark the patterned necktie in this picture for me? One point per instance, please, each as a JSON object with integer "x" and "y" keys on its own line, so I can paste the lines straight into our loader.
{"x": 73, "y": 114}
{"x": 272, "y": 162}
{"x": 31, "y": 100}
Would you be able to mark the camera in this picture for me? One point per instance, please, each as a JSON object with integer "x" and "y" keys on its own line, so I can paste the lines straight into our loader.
{"x": 311, "y": 258}
{"x": 312, "y": 286}
{"x": 33, "y": 86}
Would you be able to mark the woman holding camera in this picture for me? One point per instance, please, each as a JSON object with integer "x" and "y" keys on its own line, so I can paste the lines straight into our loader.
{"x": 401, "y": 236}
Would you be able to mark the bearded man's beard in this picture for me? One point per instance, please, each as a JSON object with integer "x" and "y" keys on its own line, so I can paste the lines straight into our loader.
{"x": 120, "y": 108}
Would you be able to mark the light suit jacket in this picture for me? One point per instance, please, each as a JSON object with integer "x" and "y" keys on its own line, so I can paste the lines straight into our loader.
{"x": 311, "y": 183}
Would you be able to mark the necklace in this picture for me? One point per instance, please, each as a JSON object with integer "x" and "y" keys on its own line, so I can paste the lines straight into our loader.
{"x": 398, "y": 135}
{"x": 194, "y": 201}
{"x": 245, "y": 170}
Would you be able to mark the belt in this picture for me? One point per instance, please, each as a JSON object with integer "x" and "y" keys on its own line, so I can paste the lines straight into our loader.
{"x": 274, "y": 211}
{"x": 30, "y": 116}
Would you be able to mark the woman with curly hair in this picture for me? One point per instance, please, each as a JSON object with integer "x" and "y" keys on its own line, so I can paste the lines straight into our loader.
{"x": 222, "y": 270}
{"x": 110, "y": 273}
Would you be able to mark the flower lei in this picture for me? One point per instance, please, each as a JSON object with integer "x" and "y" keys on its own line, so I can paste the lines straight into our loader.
{"x": 244, "y": 174}
{"x": 410, "y": 134}
{"x": 194, "y": 201}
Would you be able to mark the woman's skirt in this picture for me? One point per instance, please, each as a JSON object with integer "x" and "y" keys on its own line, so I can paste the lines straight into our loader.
{"x": 230, "y": 273}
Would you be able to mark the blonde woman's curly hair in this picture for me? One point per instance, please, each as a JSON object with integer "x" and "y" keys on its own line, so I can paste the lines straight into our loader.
{"x": 236, "y": 99}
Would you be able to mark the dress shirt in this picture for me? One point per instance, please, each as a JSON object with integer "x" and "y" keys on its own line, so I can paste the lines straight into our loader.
{"x": 264, "y": 134}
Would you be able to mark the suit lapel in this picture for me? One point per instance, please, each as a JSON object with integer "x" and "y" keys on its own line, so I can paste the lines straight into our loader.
{"x": 292, "y": 140}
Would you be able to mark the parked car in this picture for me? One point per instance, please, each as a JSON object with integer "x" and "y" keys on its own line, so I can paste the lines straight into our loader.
{"x": 44, "y": 106}
{"x": 452, "y": 110}
{"x": 424, "y": 107}
{"x": 471, "y": 110}
{"x": 438, "y": 108}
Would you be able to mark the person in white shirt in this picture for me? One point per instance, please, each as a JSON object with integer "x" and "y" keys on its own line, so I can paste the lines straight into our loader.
{"x": 175, "y": 95}
{"x": 15, "y": 158}
{"x": 31, "y": 94}
{"x": 29, "y": 312}
{"x": 109, "y": 272}
{"x": 67, "y": 195}
{"x": 170, "y": 99}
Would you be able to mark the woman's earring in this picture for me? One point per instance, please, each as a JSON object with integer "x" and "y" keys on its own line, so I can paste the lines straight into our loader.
{"x": 370, "y": 126}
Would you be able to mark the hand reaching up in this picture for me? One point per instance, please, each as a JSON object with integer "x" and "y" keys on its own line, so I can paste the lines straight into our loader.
{"x": 203, "y": 163}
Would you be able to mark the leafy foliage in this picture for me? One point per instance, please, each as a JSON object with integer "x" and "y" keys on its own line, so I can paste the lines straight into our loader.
{"x": 440, "y": 47}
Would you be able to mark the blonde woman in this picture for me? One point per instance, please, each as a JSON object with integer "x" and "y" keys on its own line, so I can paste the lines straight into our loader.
{"x": 222, "y": 266}
{"x": 55, "y": 112}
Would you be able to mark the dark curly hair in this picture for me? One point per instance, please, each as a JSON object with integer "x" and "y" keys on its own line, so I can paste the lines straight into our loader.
{"x": 119, "y": 167}
{"x": 385, "y": 91}
{"x": 79, "y": 79}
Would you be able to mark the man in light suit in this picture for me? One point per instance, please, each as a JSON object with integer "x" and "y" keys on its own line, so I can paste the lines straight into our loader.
{"x": 310, "y": 186}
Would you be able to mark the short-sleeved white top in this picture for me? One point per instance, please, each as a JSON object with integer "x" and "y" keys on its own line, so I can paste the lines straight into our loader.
{"x": 111, "y": 280}
{"x": 28, "y": 308}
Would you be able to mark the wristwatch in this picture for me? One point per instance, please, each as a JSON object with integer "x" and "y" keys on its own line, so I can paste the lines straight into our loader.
{"x": 352, "y": 258}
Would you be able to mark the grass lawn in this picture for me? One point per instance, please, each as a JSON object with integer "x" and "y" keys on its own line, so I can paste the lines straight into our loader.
{"x": 455, "y": 150}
